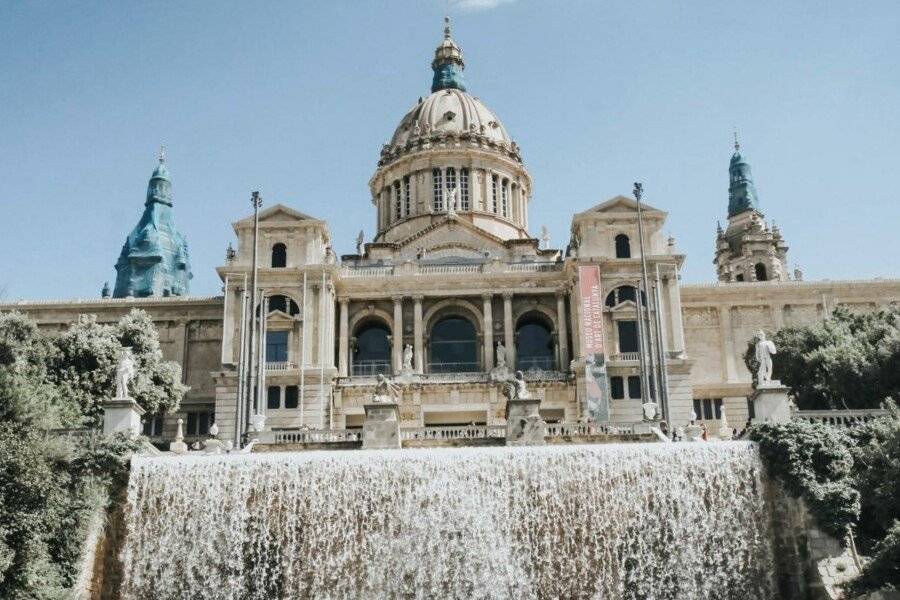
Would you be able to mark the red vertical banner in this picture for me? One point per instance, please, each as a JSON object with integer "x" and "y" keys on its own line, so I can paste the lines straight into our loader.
{"x": 591, "y": 310}
{"x": 596, "y": 400}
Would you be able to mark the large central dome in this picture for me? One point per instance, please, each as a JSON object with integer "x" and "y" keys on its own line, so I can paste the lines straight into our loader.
{"x": 450, "y": 111}
{"x": 449, "y": 160}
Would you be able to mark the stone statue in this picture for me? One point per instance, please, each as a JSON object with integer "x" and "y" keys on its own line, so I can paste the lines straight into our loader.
{"x": 545, "y": 237}
{"x": 124, "y": 373}
{"x": 452, "y": 200}
{"x": 501, "y": 355}
{"x": 407, "y": 358}
{"x": 360, "y": 240}
{"x": 651, "y": 411}
{"x": 764, "y": 351}
{"x": 386, "y": 391}
{"x": 516, "y": 389}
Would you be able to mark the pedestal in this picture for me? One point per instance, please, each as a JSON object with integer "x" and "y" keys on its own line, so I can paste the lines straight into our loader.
{"x": 771, "y": 403}
{"x": 381, "y": 429}
{"x": 693, "y": 433}
{"x": 524, "y": 425}
{"x": 122, "y": 415}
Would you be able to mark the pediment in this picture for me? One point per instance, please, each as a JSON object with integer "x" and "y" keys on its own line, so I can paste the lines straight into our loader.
{"x": 619, "y": 205}
{"x": 450, "y": 234}
{"x": 277, "y": 213}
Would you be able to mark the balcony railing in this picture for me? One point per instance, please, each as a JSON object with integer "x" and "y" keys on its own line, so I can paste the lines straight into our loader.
{"x": 369, "y": 368}
{"x": 453, "y": 367}
{"x": 569, "y": 429}
{"x": 840, "y": 418}
{"x": 536, "y": 363}
{"x": 309, "y": 436}
{"x": 280, "y": 366}
{"x": 453, "y": 432}
{"x": 626, "y": 356}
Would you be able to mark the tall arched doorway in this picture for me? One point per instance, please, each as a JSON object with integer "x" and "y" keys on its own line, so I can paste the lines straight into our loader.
{"x": 534, "y": 343}
{"x": 453, "y": 346}
{"x": 371, "y": 349}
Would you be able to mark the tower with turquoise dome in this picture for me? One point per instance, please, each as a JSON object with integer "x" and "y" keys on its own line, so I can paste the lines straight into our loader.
{"x": 154, "y": 260}
{"x": 749, "y": 249}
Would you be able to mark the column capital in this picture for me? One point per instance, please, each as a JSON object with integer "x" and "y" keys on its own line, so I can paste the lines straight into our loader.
{"x": 344, "y": 300}
{"x": 487, "y": 296}
{"x": 397, "y": 299}
{"x": 418, "y": 298}
{"x": 561, "y": 294}
{"x": 507, "y": 295}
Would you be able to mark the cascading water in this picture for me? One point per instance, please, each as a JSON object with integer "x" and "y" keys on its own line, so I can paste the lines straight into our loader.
{"x": 604, "y": 521}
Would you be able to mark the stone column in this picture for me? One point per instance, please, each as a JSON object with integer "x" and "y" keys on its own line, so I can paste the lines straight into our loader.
{"x": 726, "y": 334}
{"x": 488, "y": 331}
{"x": 418, "y": 341}
{"x": 574, "y": 304}
{"x": 778, "y": 315}
{"x": 509, "y": 341}
{"x": 675, "y": 311}
{"x": 344, "y": 341}
{"x": 563, "y": 332}
{"x": 397, "y": 333}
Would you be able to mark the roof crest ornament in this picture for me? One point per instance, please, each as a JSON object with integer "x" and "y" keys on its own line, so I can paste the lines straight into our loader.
{"x": 737, "y": 144}
{"x": 162, "y": 153}
{"x": 447, "y": 27}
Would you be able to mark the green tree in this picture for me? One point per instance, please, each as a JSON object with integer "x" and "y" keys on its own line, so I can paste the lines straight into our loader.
{"x": 845, "y": 361}
{"x": 84, "y": 359}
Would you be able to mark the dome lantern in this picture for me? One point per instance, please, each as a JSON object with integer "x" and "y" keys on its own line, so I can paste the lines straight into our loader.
{"x": 448, "y": 64}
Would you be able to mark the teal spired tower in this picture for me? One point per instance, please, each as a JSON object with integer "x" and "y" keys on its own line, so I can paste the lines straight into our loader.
{"x": 741, "y": 191}
{"x": 749, "y": 249}
{"x": 154, "y": 259}
{"x": 448, "y": 64}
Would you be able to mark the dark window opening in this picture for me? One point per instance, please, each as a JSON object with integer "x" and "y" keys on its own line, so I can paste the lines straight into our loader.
{"x": 534, "y": 345}
{"x": 290, "y": 396}
{"x": 708, "y": 409}
{"x": 634, "y": 387}
{"x": 623, "y": 246}
{"x": 284, "y": 304}
{"x": 276, "y": 346}
{"x": 739, "y": 277}
{"x": 153, "y": 425}
{"x": 372, "y": 351}
{"x": 628, "y": 337}
{"x": 617, "y": 388}
{"x": 623, "y": 293}
{"x": 279, "y": 256}
{"x": 197, "y": 423}
{"x": 273, "y": 397}
{"x": 454, "y": 346}
{"x": 760, "y": 272}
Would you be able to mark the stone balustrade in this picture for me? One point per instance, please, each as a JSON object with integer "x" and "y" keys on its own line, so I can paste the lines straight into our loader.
{"x": 360, "y": 271}
{"x": 579, "y": 429}
{"x": 309, "y": 436}
{"x": 280, "y": 366}
{"x": 453, "y": 432}
{"x": 840, "y": 418}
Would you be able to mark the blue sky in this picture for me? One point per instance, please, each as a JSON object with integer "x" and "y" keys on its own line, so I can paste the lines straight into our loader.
{"x": 295, "y": 99}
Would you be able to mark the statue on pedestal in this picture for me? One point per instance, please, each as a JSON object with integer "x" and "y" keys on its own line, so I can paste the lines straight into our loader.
{"x": 501, "y": 355}
{"x": 764, "y": 351}
{"x": 386, "y": 391}
{"x": 408, "y": 358}
{"x": 125, "y": 372}
{"x": 516, "y": 389}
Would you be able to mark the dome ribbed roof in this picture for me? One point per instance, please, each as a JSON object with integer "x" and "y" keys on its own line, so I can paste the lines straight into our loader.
{"x": 449, "y": 111}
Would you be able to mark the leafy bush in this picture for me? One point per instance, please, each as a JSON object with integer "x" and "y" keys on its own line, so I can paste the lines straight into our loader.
{"x": 814, "y": 463}
{"x": 846, "y": 361}
{"x": 882, "y": 571}
{"x": 50, "y": 485}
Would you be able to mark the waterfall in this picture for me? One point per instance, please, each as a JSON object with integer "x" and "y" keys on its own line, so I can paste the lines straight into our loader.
{"x": 612, "y": 521}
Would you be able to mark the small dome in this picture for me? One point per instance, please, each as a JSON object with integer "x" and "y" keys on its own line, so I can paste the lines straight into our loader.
{"x": 449, "y": 111}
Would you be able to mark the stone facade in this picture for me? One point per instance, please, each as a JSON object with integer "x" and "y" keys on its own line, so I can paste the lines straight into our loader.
{"x": 452, "y": 271}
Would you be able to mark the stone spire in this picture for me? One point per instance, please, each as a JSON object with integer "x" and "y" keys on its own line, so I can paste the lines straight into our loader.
{"x": 741, "y": 191}
{"x": 448, "y": 63}
{"x": 154, "y": 260}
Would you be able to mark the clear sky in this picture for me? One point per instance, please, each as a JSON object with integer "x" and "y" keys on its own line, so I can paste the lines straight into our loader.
{"x": 295, "y": 100}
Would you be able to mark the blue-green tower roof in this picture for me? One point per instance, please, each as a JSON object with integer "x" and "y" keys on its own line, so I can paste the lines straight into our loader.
{"x": 448, "y": 64}
{"x": 741, "y": 191}
{"x": 154, "y": 260}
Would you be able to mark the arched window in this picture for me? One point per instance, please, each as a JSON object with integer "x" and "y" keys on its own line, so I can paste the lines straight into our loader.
{"x": 284, "y": 304}
{"x": 438, "y": 181}
{"x": 623, "y": 293}
{"x": 534, "y": 344}
{"x": 760, "y": 272}
{"x": 372, "y": 350}
{"x": 494, "y": 193}
{"x": 279, "y": 256}
{"x": 406, "y": 196}
{"x": 398, "y": 202}
{"x": 453, "y": 346}
{"x": 464, "y": 188}
{"x": 623, "y": 246}
{"x": 504, "y": 189}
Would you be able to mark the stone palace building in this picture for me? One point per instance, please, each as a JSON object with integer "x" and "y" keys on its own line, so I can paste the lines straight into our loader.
{"x": 454, "y": 281}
